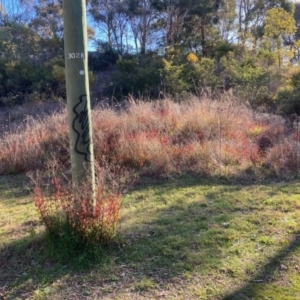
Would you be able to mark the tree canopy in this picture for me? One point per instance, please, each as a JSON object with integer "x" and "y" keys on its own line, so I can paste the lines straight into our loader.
{"x": 153, "y": 47}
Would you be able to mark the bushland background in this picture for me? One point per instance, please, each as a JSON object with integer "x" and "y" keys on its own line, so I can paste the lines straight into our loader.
{"x": 157, "y": 49}
{"x": 196, "y": 130}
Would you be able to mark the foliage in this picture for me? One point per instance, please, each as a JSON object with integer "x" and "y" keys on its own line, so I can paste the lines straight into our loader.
{"x": 174, "y": 82}
{"x": 192, "y": 58}
{"x": 183, "y": 75}
{"x": 25, "y": 63}
{"x": 279, "y": 25}
{"x": 63, "y": 215}
{"x": 251, "y": 79}
{"x": 137, "y": 76}
{"x": 151, "y": 49}
{"x": 22, "y": 77}
{"x": 102, "y": 60}
{"x": 279, "y": 22}
{"x": 203, "y": 75}
{"x": 287, "y": 98}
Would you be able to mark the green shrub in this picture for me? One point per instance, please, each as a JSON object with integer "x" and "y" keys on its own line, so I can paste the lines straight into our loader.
{"x": 288, "y": 98}
{"x": 101, "y": 61}
{"x": 138, "y": 76}
{"x": 202, "y": 74}
{"x": 288, "y": 101}
{"x": 250, "y": 80}
{"x": 174, "y": 81}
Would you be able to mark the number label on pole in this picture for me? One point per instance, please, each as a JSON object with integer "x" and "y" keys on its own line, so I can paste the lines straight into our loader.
{"x": 75, "y": 55}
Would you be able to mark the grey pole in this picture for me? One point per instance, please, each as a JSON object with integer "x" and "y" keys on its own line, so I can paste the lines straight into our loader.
{"x": 78, "y": 96}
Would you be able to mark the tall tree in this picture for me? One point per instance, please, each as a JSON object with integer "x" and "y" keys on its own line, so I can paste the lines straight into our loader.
{"x": 297, "y": 20}
{"x": 225, "y": 20}
{"x": 279, "y": 24}
{"x": 15, "y": 8}
{"x": 188, "y": 23}
{"x": 251, "y": 14}
{"x": 48, "y": 21}
{"x": 141, "y": 15}
{"x": 110, "y": 20}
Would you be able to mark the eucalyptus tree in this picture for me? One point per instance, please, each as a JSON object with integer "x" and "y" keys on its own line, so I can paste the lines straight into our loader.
{"x": 15, "y": 8}
{"x": 188, "y": 23}
{"x": 109, "y": 18}
{"x": 251, "y": 14}
{"x": 279, "y": 25}
{"x": 225, "y": 20}
{"x": 297, "y": 20}
{"x": 48, "y": 20}
{"x": 142, "y": 17}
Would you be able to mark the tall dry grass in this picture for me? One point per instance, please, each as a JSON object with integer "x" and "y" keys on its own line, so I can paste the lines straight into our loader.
{"x": 162, "y": 138}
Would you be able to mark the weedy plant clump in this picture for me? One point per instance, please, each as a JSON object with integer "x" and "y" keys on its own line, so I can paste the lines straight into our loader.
{"x": 78, "y": 216}
{"x": 62, "y": 213}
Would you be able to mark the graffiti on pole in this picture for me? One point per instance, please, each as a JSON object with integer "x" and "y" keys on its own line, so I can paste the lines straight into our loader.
{"x": 81, "y": 120}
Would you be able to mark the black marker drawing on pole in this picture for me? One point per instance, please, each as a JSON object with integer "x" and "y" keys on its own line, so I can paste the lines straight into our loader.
{"x": 82, "y": 144}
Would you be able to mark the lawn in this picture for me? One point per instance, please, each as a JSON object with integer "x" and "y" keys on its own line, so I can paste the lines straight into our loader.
{"x": 179, "y": 238}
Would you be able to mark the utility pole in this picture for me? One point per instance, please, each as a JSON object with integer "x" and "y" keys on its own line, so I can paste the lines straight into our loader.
{"x": 78, "y": 97}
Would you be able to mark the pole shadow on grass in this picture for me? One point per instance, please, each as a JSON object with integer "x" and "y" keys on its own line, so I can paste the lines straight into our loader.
{"x": 258, "y": 285}
{"x": 175, "y": 235}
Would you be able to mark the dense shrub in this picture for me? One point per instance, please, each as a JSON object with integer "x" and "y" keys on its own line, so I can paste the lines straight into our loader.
{"x": 249, "y": 78}
{"x": 63, "y": 215}
{"x": 288, "y": 97}
{"x": 101, "y": 61}
{"x": 138, "y": 76}
{"x": 204, "y": 77}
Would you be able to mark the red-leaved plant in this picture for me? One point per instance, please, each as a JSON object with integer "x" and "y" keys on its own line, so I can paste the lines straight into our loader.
{"x": 59, "y": 210}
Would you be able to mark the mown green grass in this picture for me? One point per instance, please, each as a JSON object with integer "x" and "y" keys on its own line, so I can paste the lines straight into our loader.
{"x": 184, "y": 238}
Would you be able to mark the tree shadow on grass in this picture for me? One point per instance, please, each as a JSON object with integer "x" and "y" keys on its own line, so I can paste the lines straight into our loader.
{"x": 175, "y": 235}
{"x": 14, "y": 187}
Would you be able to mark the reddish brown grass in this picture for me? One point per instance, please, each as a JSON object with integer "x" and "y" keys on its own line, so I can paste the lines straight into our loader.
{"x": 162, "y": 138}
{"x": 90, "y": 223}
